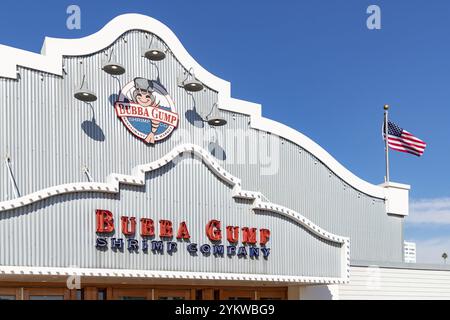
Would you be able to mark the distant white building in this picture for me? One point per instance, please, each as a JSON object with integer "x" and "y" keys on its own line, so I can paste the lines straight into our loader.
{"x": 410, "y": 252}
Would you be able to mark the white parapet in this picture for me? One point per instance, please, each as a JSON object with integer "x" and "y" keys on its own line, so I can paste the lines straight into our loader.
{"x": 397, "y": 198}
{"x": 402, "y": 281}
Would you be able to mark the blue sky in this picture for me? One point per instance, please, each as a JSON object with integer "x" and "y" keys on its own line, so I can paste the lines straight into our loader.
{"x": 314, "y": 66}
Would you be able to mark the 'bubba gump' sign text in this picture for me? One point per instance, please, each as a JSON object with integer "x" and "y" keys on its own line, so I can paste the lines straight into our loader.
{"x": 249, "y": 237}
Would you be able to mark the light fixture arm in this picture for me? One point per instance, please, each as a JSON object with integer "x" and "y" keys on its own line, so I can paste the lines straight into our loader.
{"x": 212, "y": 109}
{"x": 83, "y": 93}
{"x": 151, "y": 40}
{"x": 202, "y": 117}
{"x": 110, "y": 54}
{"x": 82, "y": 81}
{"x": 83, "y": 69}
{"x": 120, "y": 84}
{"x": 85, "y": 170}
{"x": 216, "y": 134}
{"x": 11, "y": 177}
{"x": 189, "y": 73}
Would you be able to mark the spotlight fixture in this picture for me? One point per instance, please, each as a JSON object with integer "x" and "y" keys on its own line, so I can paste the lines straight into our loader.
{"x": 217, "y": 122}
{"x": 84, "y": 94}
{"x": 191, "y": 85}
{"x": 214, "y": 118}
{"x": 154, "y": 52}
{"x": 112, "y": 67}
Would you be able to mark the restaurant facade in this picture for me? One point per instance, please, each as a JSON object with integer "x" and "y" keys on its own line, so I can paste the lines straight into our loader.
{"x": 131, "y": 173}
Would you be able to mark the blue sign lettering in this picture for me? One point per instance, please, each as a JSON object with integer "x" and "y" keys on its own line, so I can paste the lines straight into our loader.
{"x": 205, "y": 249}
{"x": 133, "y": 244}
{"x": 231, "y": 250}
{"x": 116, "y": 243}
{"x": 171, "y": 247}
{"x": 101, "y": 243}
{"x": 265, "y": 251}
{"x": 144, "y": 245}
{"x": 157, "y": 246}
{"x": 192, "y": 248}
{"x": 218, "y": 249}
{"x": 253, "y": 252}
{"x": 242, "y": 251}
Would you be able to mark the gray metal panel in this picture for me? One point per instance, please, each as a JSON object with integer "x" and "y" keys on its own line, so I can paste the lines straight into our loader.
{"x": 306, "y": 185}
{"x": 42, "y": 126}
{"x": 61, "y": 231}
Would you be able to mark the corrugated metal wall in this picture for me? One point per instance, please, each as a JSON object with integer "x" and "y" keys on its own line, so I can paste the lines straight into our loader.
{"x": 61, "y": 231}
{"x": 304, "y": 184}
{"x": 50, "y": 136}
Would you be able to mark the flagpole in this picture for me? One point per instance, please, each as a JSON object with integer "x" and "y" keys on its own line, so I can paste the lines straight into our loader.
{"x": 386, "y": 146}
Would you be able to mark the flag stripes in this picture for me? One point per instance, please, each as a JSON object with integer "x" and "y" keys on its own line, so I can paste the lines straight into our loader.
{"x": 404, "y": 141}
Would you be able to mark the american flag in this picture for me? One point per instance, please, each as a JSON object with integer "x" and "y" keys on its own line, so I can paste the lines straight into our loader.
{"x": 402, "y": 140}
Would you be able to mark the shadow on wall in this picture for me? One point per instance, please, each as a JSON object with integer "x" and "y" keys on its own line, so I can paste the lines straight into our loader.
{"x": 217, "y": 151}
{"x": 92, "y": 130}
{"x": 192, "y": 115}
{"x": 113, "y": 98}
{"x": 193, "y": 118}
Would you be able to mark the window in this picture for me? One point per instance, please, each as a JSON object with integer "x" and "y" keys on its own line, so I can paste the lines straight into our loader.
{"x": 171, "y": 298}
{"x": 80, "y": 294}
{"x": 132, "y": 298}
{"x": 101, "y": 294}
{"x": 58, "y": 297}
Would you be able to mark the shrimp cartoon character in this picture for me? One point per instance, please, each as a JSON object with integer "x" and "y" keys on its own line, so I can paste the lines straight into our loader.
{"x": 143, "y": 95}
{"x": 147, "y": 110}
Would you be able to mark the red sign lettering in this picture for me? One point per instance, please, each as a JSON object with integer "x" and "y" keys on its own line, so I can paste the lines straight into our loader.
{"x": 105, "y": 224}
{"x": 132, "y": 223}
{"x": 249, "y": 235}
{"x": 147, "y": 227}
{"x": 105, "y": 221}
{"x": 232, "y": 234}
{"x": 165, "y": 228}
{"x": 264, "y": 235}
{"x": 183, "y": 232}
{"x": 213, "y": 231}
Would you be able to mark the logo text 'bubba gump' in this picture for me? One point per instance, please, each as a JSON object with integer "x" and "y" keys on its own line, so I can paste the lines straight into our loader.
{"x": 165, "y": 230}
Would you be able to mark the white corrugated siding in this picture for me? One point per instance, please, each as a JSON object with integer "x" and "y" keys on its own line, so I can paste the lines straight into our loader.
{"x": 395, "y": 283}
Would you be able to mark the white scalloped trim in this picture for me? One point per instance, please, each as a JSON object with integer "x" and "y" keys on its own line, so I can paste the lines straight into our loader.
{"x": 137, "y": 178}
{"x": 123, "y": 273}
{"x": 51, "y": 58}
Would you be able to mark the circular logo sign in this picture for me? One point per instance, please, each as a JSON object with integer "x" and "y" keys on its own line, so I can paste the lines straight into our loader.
{"x": 147, "y": 110}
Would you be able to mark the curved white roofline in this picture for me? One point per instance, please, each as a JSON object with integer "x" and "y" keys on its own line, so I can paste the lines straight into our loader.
{"x": 51, "y": 58}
